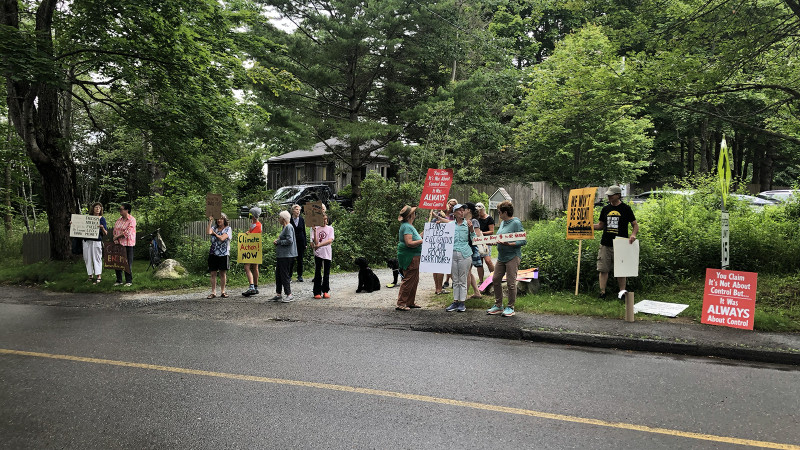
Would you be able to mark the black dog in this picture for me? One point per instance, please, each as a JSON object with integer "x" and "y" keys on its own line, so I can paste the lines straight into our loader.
{"x": 393, "y": 264}
{"x": 367, "y": 280}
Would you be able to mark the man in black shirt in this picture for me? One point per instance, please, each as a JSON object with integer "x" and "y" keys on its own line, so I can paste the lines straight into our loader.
{"x": 614, "y": 220}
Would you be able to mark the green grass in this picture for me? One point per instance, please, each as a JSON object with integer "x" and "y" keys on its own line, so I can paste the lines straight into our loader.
{"x": 777, "y": 304}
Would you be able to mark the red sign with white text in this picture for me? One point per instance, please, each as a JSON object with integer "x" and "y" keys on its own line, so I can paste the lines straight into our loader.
{"x": 436, "y": 189}
{"x": 729, "y": 299}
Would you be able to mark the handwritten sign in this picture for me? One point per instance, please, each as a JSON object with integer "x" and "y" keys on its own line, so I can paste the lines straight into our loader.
{"x": 729, "y": 299}
{"x": 214, "y": 205}
{"x": 115, "y": 258}
{"x": 436, "y": 189}
{"x": 580, "y": 213}
{"x": 86, "y": 227}
{"x": 626, "y": 258}
{"x": 249, "y": 246}
{"x": 496, "y": 238}
{"x": 314, "y": 212}
{"x": 437, "y": 247}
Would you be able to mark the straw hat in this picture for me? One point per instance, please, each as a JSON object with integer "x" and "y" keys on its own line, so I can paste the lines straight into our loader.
{"x": 406, "y": 212}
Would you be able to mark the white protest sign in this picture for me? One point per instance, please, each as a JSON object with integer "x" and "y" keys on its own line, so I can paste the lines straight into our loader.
{"x": 495, "y": 238}
{"x": 86, "y": 227}
{"x": 659, "y": 308}
{"x": 626, "y": 258}
{"x": 437, "y": 247}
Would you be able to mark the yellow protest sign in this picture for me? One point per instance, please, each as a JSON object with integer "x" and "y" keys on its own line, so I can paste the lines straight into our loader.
{"x": 249, "y": 245}
{"x": 724, "y": 170}
{"x": 580, "y": 213}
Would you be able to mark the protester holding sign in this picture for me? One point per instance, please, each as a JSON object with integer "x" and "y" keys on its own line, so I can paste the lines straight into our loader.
{"x": 409, "y": 249}
{"x": 125, "y": 235}
{"x": 471, "y": 214}
{"x": 299, "y": 226}
{"x": 614, "y": 220}
{"x": 93, "y": 248}
{"x": 509, "y": 254}
{"x": 251, "y": 269}
{"x": 285, "y": 253}
{"x": 487, "y": 228}
{"x": 462, "y": 259}
{"x": 219, "y": 253}
{"x": 443, "y": 217}
{"x": 321, "y": 240}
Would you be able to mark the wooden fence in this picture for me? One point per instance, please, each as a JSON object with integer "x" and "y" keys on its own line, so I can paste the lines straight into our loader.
{"x": 35, "y": 247}
{"x": 552, "y": 197}
{"x": 200, "y": 228}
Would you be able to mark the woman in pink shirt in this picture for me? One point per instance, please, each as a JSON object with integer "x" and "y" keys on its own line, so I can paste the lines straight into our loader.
{"x": 321, "y": 240}
{"x": 125, "y": 235}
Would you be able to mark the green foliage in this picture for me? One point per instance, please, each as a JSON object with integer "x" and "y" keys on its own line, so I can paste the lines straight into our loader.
{"x": 371, "y": 229}
{"x": 253, "y": 182}
{"x": 479, "y": 197}
{"x": 538, "y": 210}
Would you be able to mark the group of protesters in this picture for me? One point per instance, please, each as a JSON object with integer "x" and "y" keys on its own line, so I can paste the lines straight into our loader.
{"x": 124, "y": 234}
{"x": 470, "y": 221}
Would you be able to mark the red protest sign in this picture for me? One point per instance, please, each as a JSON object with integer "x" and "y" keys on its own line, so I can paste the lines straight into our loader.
{"x": 729, "y": 299}
{"x": 436, "y": 189}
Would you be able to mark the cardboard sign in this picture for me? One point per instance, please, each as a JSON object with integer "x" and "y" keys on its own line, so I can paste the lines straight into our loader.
{"x": 659, "y": 308}
{"x": 313, "y": 212}
{"x": 729, "y": 299}
{"x": 626, "y": 258}
{"x": 436, "y": 189}
{"x": 522, "y": 275}
{"x": 580, "y": 213}
{"x": 437, "y": 247}
{"x": 214, "y": 205}
{"x": 249, "y": 246}
{"x": 115, "y": 257}
{"x": 496, "y": 238}
{"x": 83, "y": 226}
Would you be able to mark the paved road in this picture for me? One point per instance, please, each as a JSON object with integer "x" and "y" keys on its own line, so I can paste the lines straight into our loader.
{"x": 103, "y": 378}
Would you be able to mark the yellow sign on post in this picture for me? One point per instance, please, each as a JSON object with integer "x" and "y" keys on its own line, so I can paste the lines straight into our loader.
{"x": 249, "y": 248}
{"x": 580, "y": 213}
{"x": 724, "y": 170}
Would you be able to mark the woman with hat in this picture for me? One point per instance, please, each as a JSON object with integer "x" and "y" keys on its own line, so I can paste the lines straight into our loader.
{"x": 409, "y": 249}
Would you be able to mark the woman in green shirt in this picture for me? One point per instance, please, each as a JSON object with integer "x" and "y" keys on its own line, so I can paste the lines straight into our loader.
{"x": 509, "y": 255}
{"x": 409, "y": 249}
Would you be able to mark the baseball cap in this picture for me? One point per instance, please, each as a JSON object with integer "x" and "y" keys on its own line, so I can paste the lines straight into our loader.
{"x": 479, "y": 205}
{"x": 614, "y": 190}
{"x": 459, "y": 206}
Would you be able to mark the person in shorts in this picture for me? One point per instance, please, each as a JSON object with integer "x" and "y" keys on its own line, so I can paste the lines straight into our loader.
{"x": 219, "y": 253}
{"x": 614, "y": 220}
{"x": 487, "y": 228}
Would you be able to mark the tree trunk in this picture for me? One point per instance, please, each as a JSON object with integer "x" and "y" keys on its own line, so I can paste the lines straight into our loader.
{"x": 8, "y": 218}
{"x": 36, "y": 113}
{"x": 704, "y": 166}
{"x": 690, "y": 155}
{"x": 767, "y": 167}
{"x": 683, "y": 158}
{"x": 355, "y": 167}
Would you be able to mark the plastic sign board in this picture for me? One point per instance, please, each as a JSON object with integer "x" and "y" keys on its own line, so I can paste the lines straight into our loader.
{"x": 729, "y": 299}
{"x": 626, "y": 257}
{"x": 496, "y": 238}
{"x": 83, "y": 226}
{"x": 724, "y": 170}
{"x": 580, "y": 213}
{"x": 436, "y": 189}
{"x": 314, "y": 213}
{"x": 249, "y": 246}
{"x": 214, "y": 205}
{"x": 437, "y": 247}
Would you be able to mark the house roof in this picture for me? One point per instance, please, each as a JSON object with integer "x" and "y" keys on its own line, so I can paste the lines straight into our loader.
{"x": 319, "y": 150}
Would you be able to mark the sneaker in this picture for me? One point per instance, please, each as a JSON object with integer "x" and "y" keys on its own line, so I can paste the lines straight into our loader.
{"x": 453, "y": 306}
{"x": 288, "y": 298}
{"x": 128, "y": 284}
{"x": 508, "y": 312}
{"x": 326, "y": 295}
{"x": 446, "y": 284}
{"x": 494, "y": 310}
{"x": 621, "y": 294}
{"x": 462, "y": 306}
{"x": 277, "y": 298}
{"x": 299, "y": 279}
{"x": 317, "y": 296}
{"x": 602, "y": 296}
{"x": 118, "y": 283}
{"x": 249, "y": 292}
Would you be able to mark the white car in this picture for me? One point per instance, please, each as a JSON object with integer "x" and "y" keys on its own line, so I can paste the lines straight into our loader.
{"x": 781, "y": 195}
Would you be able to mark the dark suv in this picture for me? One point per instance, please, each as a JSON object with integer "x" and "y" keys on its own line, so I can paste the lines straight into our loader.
{"x": 302, "y": 193}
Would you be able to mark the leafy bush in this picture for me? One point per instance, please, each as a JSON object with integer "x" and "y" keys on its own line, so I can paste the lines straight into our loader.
{"x": 479, "y": 197}
{"x": 538, "y": 210}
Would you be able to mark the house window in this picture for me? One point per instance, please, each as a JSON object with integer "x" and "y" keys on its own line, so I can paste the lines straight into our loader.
{"x": 299, "y": 173}
{"x": 383, "y": 172}
{"x": 322, "y": 173}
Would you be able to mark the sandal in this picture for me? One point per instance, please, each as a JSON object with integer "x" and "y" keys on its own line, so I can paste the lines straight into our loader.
{"x": 211, "y": 296}
{"x": 224, "y": 295}
{"x": 403, "y": 308}
{"x": 476, "y": 296}
{"x": 443, "y": 291}
{"x": 98, "y": 280}
{"x": 414, "y": 306}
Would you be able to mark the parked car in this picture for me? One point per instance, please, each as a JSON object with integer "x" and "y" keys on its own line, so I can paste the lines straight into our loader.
{"x": 755, "y": 202}
{"x": 780, "y": 195}
{"x": 644, "y": 196}
{"x": 300, "y": 194}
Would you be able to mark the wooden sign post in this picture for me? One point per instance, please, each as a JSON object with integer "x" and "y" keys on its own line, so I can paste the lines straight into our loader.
{"x": 580, "y": 221}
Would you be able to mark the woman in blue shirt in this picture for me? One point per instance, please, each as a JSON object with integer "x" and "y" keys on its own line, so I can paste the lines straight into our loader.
{"x": 509, "y": 255}
{"x": 462, "y": 259}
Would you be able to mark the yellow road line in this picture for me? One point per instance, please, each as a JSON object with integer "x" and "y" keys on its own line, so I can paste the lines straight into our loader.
{"x": 419, "y": 398}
